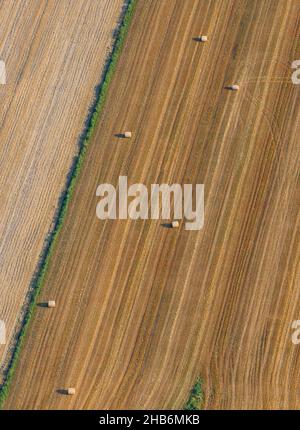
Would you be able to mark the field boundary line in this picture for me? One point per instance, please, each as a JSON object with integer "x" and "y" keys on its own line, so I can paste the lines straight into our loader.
{"x": 92, "y": 121}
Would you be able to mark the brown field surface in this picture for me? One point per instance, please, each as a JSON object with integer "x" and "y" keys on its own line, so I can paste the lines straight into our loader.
{"x": 54, "y": 53}
{"x": 142, "y": 310}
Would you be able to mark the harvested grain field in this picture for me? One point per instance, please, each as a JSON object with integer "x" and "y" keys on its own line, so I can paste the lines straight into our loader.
{"x": 54, "y": 52}
{"x": 142, "y": 310}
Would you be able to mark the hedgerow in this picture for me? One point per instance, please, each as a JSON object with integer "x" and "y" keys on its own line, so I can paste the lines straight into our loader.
{"x": 196, "y": 397}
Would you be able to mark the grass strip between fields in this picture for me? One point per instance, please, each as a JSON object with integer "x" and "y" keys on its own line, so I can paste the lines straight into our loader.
{"x": 67, "y": 195}
{"x": 196, "y": 397}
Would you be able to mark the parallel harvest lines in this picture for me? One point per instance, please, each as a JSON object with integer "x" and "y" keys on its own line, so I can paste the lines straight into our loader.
{"x": 143, "y": 310}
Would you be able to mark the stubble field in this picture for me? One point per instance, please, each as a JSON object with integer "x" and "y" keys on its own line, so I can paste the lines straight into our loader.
{"x": 54, "y": 52}
{"x": 142, "y": 310}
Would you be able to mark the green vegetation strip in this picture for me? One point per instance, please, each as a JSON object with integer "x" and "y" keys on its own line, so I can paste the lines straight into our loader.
{"x": 196, "y": 398}
{"x": 39, "y": 278}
